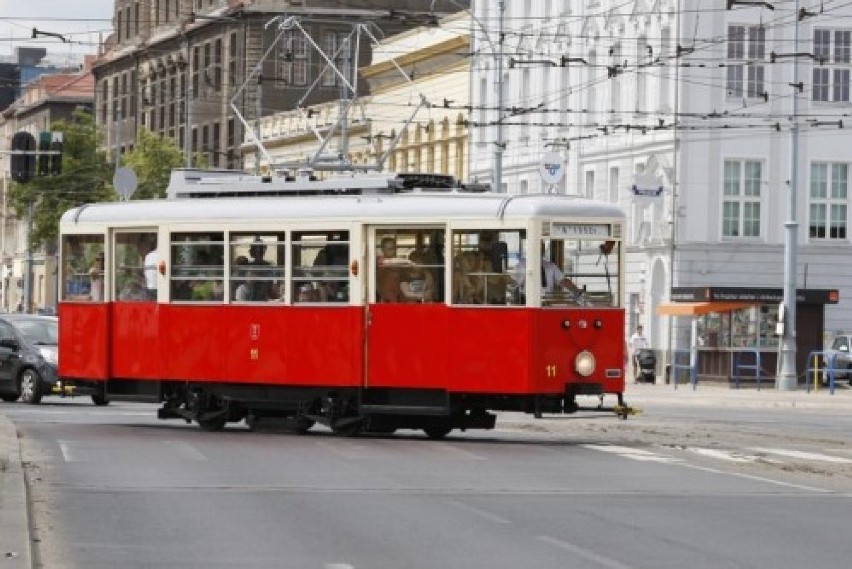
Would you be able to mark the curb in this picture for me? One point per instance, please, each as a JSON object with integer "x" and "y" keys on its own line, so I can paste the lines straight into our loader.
{"x": 15, "y": 540}
{"x": 742, "y": 398}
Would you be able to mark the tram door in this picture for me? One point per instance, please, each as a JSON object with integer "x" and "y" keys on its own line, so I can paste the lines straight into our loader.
{"x": 408, "y": 317}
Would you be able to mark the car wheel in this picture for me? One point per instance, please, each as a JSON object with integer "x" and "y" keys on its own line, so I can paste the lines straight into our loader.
{"x": 30, "y": 387}
{"x": 9, "y": 397}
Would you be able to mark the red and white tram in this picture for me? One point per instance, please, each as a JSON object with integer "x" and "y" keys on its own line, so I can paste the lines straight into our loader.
{"x": 366, "y": 303}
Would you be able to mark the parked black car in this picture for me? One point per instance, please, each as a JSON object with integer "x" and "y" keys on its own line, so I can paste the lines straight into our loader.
{"x": 29, "y": 354}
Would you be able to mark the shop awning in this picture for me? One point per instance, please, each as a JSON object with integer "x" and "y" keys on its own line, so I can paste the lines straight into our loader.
{"x": 699, "y": 308}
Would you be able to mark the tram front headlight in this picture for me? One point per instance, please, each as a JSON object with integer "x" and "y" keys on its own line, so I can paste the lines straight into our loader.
{"x": 584, "y": 363}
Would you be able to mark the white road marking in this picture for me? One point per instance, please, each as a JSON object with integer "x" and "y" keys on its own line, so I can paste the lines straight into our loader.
{"x": 803, "y": 455}
{"x": 582, "y": 552}
{"x": 479, "y": 512}
{"x": 88, "y": 451}
{"x": 455, "y": 449}
{"x": 634, "y": 453}
{"x": 759, "y": 479}
{"x": 728, "y": 455}
{"x": 339, "y": 566}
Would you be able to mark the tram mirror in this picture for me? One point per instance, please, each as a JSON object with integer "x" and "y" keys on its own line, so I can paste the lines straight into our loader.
{"x": 499, "y": 256}
{"x": 606, "y": 247}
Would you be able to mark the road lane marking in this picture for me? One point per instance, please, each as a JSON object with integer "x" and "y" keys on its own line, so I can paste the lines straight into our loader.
{"x": 803, "y": 455}
{"x": 90, "y": 451}
{"x": 582, "y": 552}
{"x": 726, "y": 455}
{"x": 339, "y": 566}
{"x": 634, "y": 453}
{"x": 759, "y": 479}
{"x": 454, "y": 449}
{"x": 479, "y": 512}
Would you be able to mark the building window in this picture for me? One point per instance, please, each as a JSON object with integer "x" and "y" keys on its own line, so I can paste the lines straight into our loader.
{"x": 741, "y": 200}
{"x": 746, "y": 55}
{"x": 590, "y": 184}
{"x": 831, "y": 72}
{"x": 828, "y": 208}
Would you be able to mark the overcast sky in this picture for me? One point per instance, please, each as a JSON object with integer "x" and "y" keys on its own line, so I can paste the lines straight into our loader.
{"x": 79, "y": 21}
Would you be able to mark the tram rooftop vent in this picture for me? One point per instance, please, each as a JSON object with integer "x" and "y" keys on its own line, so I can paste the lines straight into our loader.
{"x": 192, "y": 183}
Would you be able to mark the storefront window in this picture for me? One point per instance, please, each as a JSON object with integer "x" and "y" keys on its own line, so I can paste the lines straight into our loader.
{"x": 752, "y": 327}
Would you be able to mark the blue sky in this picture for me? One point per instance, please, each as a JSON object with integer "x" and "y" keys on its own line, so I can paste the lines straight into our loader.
{"x": 79, "y": 21}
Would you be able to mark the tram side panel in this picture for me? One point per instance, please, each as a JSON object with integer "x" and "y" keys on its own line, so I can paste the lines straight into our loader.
{"x": 461, "y": 350}
{"x": 84, "y": 332}
{"x": 135, "y": 341}
{"x": 304, "y": 346}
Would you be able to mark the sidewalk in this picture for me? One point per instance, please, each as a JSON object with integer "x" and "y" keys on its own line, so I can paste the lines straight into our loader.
{"x": 14, "y": 526}
{"x": 720, "y": 395}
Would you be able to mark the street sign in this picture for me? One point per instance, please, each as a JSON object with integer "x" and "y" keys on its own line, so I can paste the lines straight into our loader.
{"x": 125, "y": 182}
{"x": 552, "y": 168}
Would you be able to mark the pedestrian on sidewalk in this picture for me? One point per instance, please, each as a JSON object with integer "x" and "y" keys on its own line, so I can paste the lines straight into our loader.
{"x": 637, "y": 343}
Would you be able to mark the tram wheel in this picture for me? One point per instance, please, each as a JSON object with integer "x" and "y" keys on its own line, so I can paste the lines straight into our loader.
{"x": 213, "y": 424}
{"x": 437, "y": 432}
{"x": 99, "y": 399}
{"x": 302, "y": 425}
{"x": 347, "y": 427}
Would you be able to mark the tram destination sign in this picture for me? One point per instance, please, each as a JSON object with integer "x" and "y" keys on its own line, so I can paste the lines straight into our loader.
{"x": 580, "y": 230}
{"x": 744, "y": 294}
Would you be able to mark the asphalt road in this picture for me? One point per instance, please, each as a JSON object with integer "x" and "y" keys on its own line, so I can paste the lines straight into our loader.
{"x": 701, "y": 488}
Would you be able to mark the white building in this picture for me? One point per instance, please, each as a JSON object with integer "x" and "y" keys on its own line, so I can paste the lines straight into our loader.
{"x": 692, "y": 97}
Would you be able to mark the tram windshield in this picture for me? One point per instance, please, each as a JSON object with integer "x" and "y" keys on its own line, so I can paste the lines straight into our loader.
{"x": 579, "y": 272}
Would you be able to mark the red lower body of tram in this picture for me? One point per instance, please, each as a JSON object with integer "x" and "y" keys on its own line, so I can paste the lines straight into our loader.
{"x": 353, "y": 368}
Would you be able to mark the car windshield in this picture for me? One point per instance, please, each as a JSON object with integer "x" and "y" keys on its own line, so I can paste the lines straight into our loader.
{"x": 39, "y": 331}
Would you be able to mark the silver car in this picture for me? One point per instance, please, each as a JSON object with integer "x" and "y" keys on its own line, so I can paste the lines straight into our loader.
{"x": 841, "y": 354}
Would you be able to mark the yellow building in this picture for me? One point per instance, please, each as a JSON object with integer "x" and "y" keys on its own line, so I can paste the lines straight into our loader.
{"x": 420, "y": 88}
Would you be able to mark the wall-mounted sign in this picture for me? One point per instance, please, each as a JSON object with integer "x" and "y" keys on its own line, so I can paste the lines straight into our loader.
{"x": 552, "y": 168}
{"x": 646, "y": 186}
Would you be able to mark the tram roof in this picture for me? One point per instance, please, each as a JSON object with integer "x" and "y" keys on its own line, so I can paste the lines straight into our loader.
{"x": 421, "y": 207}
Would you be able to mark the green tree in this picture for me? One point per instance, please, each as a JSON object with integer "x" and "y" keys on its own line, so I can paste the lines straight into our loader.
{"x": 86, "y": 177}
{"x": 152, "y": 160}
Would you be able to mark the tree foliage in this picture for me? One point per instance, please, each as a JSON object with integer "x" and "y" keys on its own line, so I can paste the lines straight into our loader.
{"x": 86, "y": 177}
{"x": 152, "y": 159}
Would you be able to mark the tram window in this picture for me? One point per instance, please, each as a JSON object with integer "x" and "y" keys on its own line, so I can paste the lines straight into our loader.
{"x": 320, "y": 266}
{"x": 410, "y": 265}
{"x": 488, "y": 267}
{"x": 580, "y": 272}
{"x": 257, "y": 266}
{"x": 136, "y": 257}
{"x": 198, "y": 267}
{"x": 83, "y": 267}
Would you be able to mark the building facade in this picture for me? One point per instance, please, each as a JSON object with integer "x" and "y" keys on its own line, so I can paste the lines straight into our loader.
{"x": 44, "y": 100}
{"x": 419, "y": 94}
{"x": 176, "y": 66}
{"x": 693, "y": 99}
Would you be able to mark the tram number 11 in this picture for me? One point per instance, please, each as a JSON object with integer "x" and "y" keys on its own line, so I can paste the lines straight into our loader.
{"x": 551, "y": 370}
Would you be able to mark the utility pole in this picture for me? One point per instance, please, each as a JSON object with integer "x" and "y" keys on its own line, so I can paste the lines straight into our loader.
{"x": 497, "y": 175}
{"x": 187, "y": 128}
{"x": 786, "y": 379}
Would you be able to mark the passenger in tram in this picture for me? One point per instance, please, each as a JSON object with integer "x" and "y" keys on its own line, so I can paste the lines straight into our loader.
{"x": 134, "y": 286}
{"x": 422, "y": 278}
{"x": 553, "y": 280}
{"x": 96, "y": 278}
{"x": 389, "y": 273}
{"x": 476, "y": 279}
{"x": 260, "y": 287}
{"x": 241, "y": 291}
{"x": 152, "y": 258}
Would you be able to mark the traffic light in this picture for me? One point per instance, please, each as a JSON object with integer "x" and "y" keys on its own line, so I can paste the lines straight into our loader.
{"x": 23, "y": 165}
{"x": 44, "y": 139}
{"x": 56, "y": 159}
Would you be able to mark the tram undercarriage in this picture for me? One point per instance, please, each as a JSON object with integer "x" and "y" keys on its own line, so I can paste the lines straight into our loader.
{"x": 346, "y": 411}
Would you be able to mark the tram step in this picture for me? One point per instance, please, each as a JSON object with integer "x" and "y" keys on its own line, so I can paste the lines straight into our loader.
{"x": 405, "y": 410}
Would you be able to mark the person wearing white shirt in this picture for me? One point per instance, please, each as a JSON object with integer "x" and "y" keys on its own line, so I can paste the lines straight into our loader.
{"x": 553, "y": 280}
{"x": 637, "y": 342}
{"x": 150, "y": 266}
